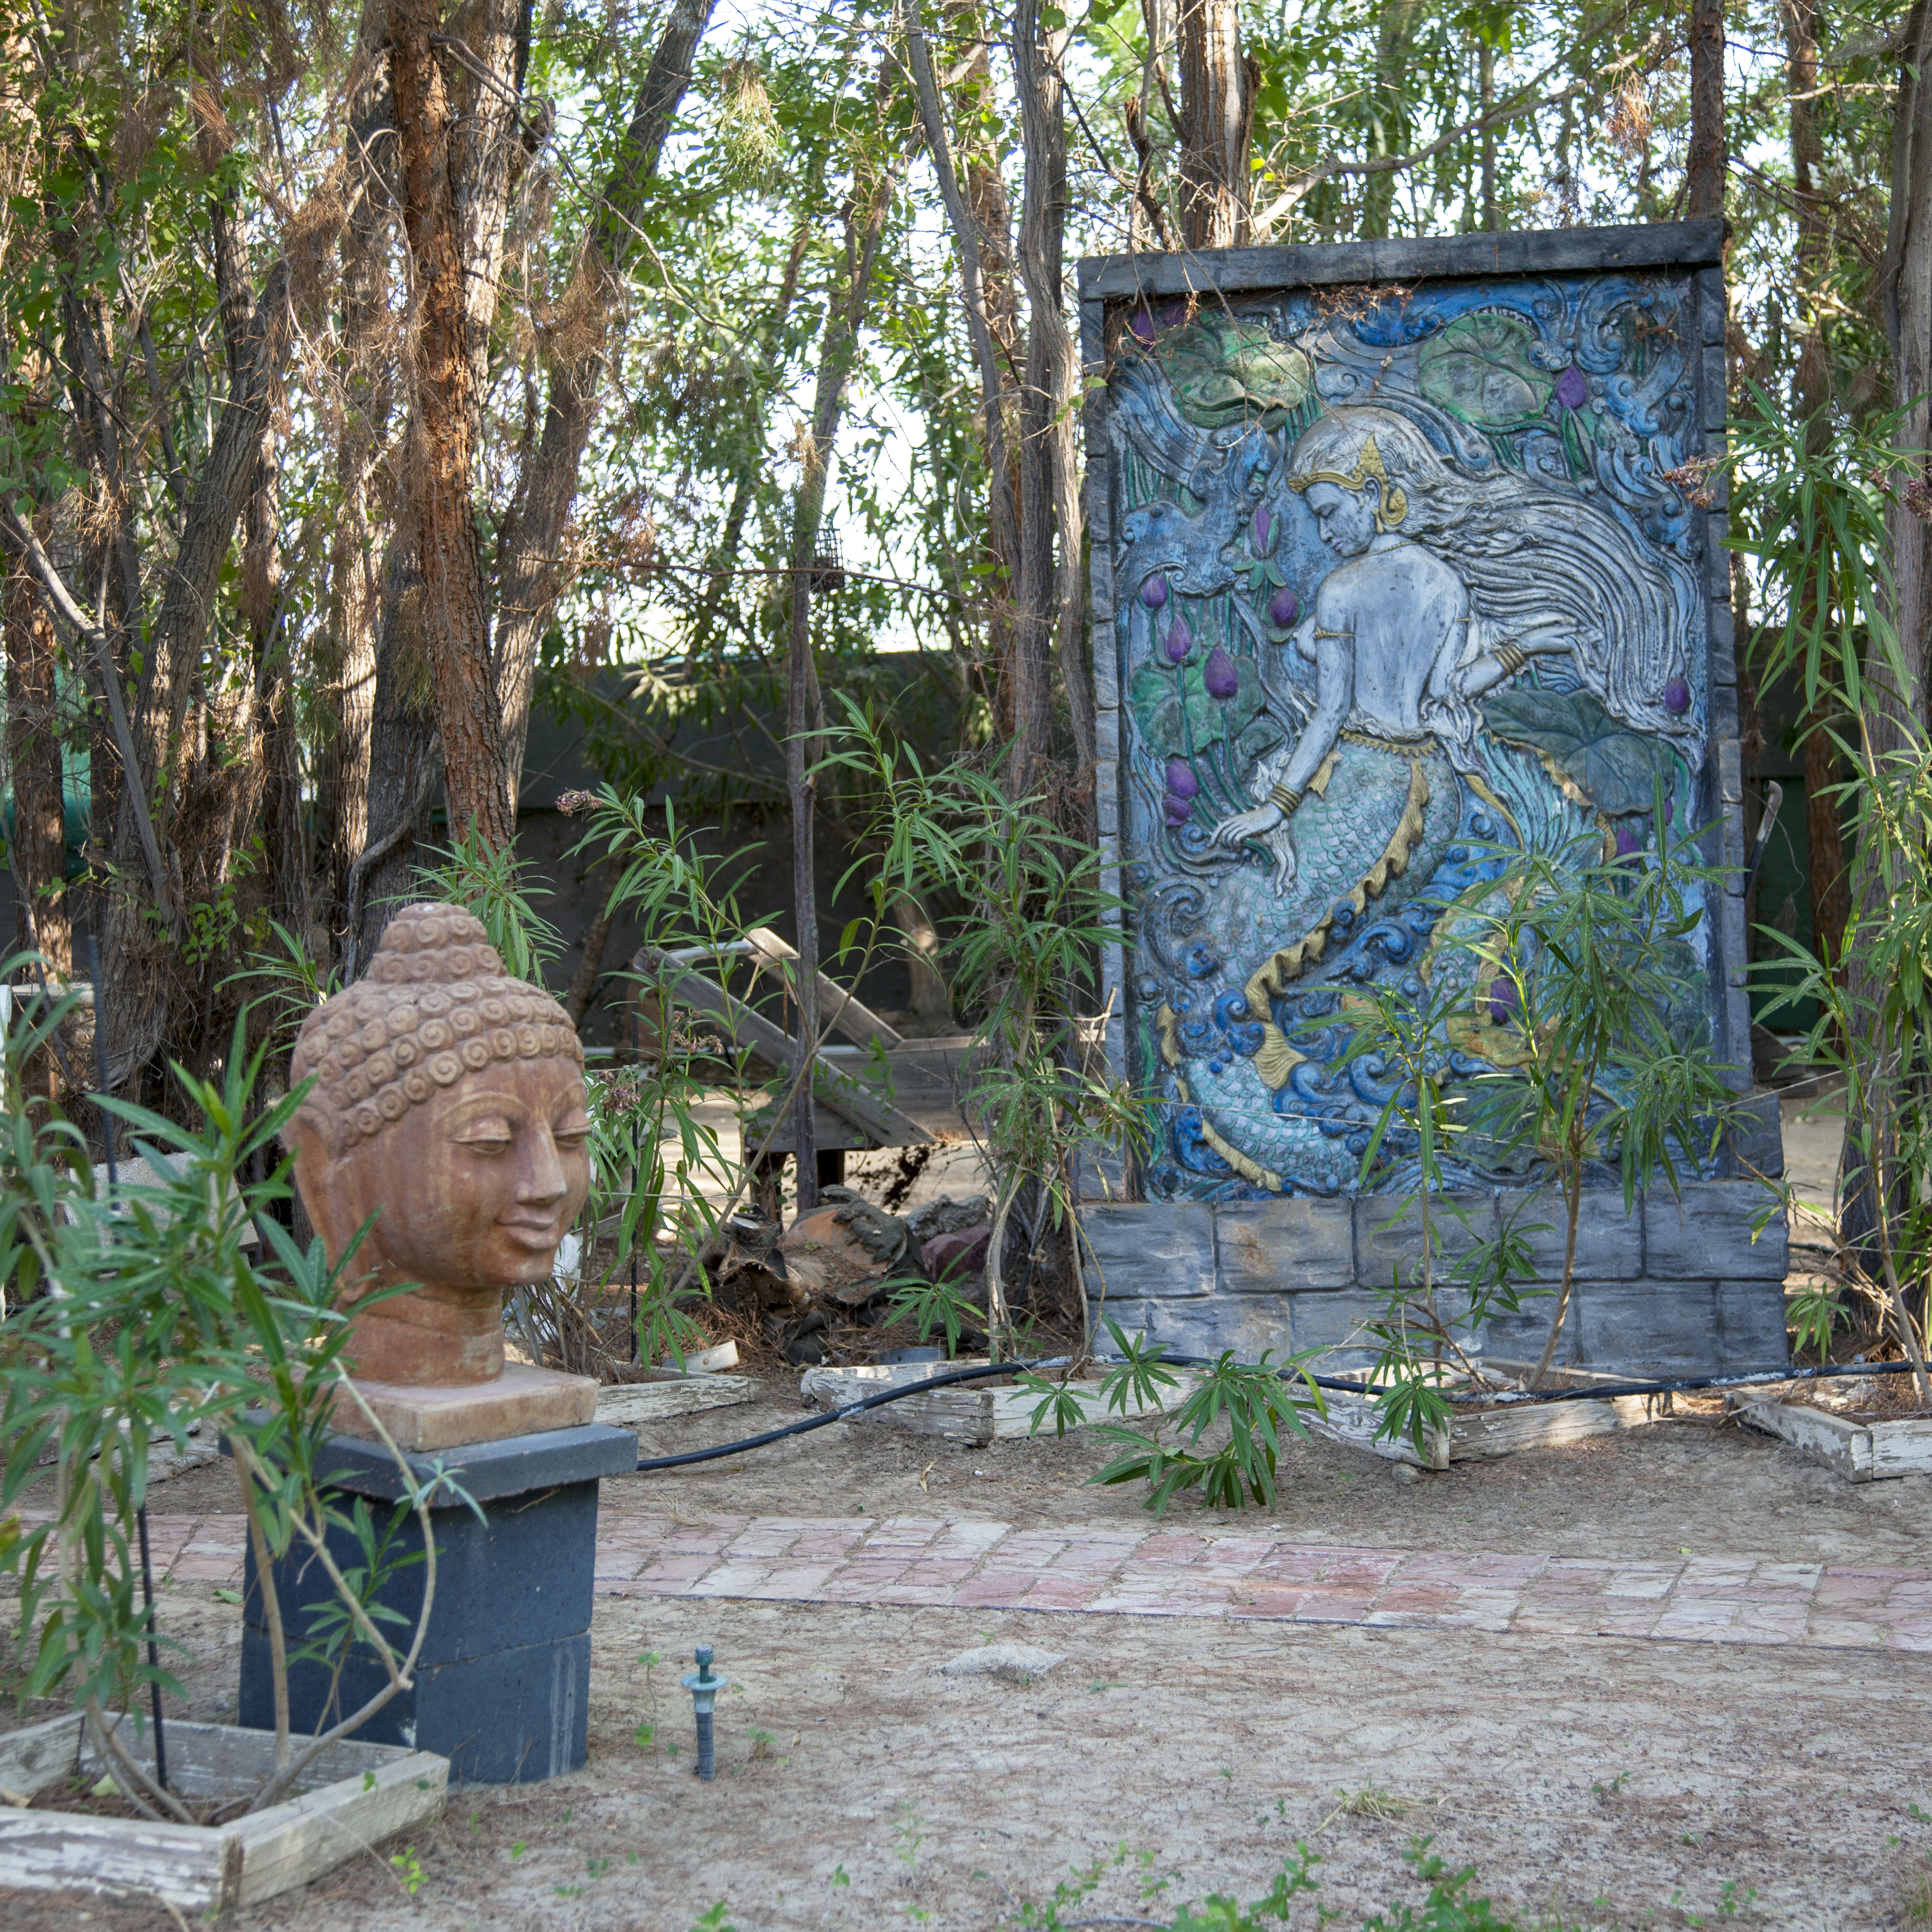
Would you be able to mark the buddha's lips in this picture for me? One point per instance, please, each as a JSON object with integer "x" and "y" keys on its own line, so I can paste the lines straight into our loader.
{"x": 533, "y": 1234}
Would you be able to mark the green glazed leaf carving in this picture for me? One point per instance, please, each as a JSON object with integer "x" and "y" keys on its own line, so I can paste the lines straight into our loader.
{"x": 1480, "y": 368}
{"x": 1611, "y": 765}
{"x": 1225, "y": 372}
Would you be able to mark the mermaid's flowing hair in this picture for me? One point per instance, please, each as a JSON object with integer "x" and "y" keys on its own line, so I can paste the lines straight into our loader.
{"x": 1534, "y": 556}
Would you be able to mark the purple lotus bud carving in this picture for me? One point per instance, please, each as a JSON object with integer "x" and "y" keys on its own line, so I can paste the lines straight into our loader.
{"x": 1284, "y": 607}
{"x": 1178, "y": 642}
{"x": 1631, "y": 836}
{"x": 1264, "y": 529}
{"x": 1572, "y": 391}
{"x": 1220, "y": 676}
{"x": 1178, "y": 810}
{"x": 1677, "y": 697}
{"x": 1505, "y": 1002}
{"x": 1181, "y": 782}
{"x": 1153, "y": 593}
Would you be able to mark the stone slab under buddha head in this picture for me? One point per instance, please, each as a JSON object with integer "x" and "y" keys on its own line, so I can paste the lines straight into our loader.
{"x": 449, "y": 1104}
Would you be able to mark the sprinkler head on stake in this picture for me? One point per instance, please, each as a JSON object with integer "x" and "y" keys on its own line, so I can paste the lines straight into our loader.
{"x": 704, "y": 1685}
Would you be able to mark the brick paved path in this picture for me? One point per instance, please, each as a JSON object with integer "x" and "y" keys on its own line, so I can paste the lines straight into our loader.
{"x": 1162, "y": 1572}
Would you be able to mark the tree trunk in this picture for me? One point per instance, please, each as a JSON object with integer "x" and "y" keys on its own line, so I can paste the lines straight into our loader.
{"x": 532, "y": 574}
{"x": 1388, "y": 131}
{"x": 1485, "y": 84}
{"x": 1811, "y": 393}
{"x": 1906, "y": 283}
{"x": 38, "y": 847}
{"x": 403, "y": 756}
{"x": 443, "y": 368}
{"x": 1002, "y": 520}
{"x": 1705, "y": 163}
{"x": 355, "y": 559}
{"x": 1046, "y": 393}
{"x": 1217, "y": 113}
{"x": 865, "y": 227}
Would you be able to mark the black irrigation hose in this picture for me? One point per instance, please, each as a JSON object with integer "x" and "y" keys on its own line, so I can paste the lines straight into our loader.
{"x": 1596, "y": 1392}
{"x": 922, "y": 1386}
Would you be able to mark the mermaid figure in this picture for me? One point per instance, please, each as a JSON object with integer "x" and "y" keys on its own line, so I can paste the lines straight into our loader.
{"x": 1445, "y": 587}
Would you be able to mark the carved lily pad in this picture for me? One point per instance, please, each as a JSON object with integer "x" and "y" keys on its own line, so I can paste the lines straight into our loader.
{"x": 1225, "y": 372}
{"x": 1614, "y": 768}
{"x": 1480, "y": 368}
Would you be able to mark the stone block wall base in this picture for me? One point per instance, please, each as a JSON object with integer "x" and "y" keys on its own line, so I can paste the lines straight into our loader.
{"x": 1678, "y": 1287}
{"x": 502, "y": 1683}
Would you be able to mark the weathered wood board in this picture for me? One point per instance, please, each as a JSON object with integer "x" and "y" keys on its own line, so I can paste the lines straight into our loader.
{"x": 1495, "y": 1432}
{"x": 638, "y": 1405}
{"x": 970, "y": 1416}
{"x": 354, "y": 1796}
{"x": 1861, "y": 1451}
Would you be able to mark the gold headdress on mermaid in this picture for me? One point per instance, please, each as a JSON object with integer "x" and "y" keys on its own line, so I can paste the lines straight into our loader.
{"x": 1393, "y": 505}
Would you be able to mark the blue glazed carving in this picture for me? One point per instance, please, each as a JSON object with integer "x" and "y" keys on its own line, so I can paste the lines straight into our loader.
{"x": 1398, "y": 582}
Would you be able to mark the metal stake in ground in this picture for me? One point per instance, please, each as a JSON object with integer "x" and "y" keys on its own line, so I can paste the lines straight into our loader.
{"x": 704, "y": 1687}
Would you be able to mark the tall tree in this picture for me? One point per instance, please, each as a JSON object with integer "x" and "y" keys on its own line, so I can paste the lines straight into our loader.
{"x": 874, "y": 183}
{"x": 1705, "y": 163}
{"x": 454, "y": 122}
{"x": 1217, "y": 115}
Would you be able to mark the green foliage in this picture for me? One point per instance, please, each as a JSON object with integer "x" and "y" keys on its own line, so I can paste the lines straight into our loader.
{"x": 134, "y": 1316}
{"x": 1812, "y": 507}
{"x": 1252, "y": 1403}
{"x": 1568, "y": 976}
{"x": 935, "y": 1305}
{"x": 491, "y": 885}
{"x": 1022, "y": 952}
{"x": 654, "y": 1159}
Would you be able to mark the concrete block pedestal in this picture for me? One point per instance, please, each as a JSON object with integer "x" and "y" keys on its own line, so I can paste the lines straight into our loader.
{"x": 502, "y": 1683}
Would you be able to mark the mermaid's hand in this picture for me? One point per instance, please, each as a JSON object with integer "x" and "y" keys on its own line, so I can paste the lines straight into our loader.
{"x": 1246, "y": 825}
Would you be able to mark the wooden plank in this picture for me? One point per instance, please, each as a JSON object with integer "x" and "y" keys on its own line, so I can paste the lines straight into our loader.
{"x": 215, "y": 1760}
{"x": 354, "y": 1795}
{"x": 837, "y": 1008}
{"x": 41, "y": 1755}
{"x": 834, "y": 1088}
{"x": 1479, "y": 1437}
{"x": 292, "y": 1843}
{"x": 1834, "y": 1440}
{"x": 1532, "y": 251}
{"x": 638, "y": 1405}
{"x": 970, "y": 1415}
{"x": 64, "y": 1851}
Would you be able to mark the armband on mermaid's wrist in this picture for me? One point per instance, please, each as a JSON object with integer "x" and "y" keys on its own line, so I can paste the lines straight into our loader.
{"x": 1512, "y": 657}
{"x": 1286, "y": 797}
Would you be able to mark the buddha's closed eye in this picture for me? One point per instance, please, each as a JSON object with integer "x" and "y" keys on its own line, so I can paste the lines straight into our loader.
{"x": 491, "y": 1135}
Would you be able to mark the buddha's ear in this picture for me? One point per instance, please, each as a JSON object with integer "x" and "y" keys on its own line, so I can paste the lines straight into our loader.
{"x": 307, "y": 1137}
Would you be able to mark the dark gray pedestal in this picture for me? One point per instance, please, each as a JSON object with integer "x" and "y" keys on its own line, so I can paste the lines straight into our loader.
{"x": 502, "y": 1680}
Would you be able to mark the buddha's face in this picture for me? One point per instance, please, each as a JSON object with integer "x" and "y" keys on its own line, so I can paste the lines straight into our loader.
{"x": 473, "y": 1187}
{"x": 472, "y": 1190}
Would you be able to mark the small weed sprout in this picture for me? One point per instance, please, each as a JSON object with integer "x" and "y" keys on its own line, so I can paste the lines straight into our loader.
{"x": 408, "y": 1868}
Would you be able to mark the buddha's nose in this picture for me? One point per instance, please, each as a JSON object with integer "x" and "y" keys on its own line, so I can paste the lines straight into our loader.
{"x": 542, "y": 1181}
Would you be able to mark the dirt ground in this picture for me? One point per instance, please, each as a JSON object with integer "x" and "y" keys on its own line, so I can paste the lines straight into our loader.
{"x": 1592, "y": 1783}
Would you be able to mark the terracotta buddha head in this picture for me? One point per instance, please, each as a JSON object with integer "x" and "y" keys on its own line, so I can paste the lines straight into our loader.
{"x": 450, "y": 1104}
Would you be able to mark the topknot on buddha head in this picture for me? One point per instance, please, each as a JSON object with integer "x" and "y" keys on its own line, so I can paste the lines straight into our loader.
{"x": 435, "y": 1005}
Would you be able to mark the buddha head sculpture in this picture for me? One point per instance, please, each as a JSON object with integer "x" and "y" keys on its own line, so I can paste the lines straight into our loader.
{"x": 450, "y": 1104}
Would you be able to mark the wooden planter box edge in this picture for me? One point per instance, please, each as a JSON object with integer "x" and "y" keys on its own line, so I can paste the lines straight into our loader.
{"x": 378, "y": 1790}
